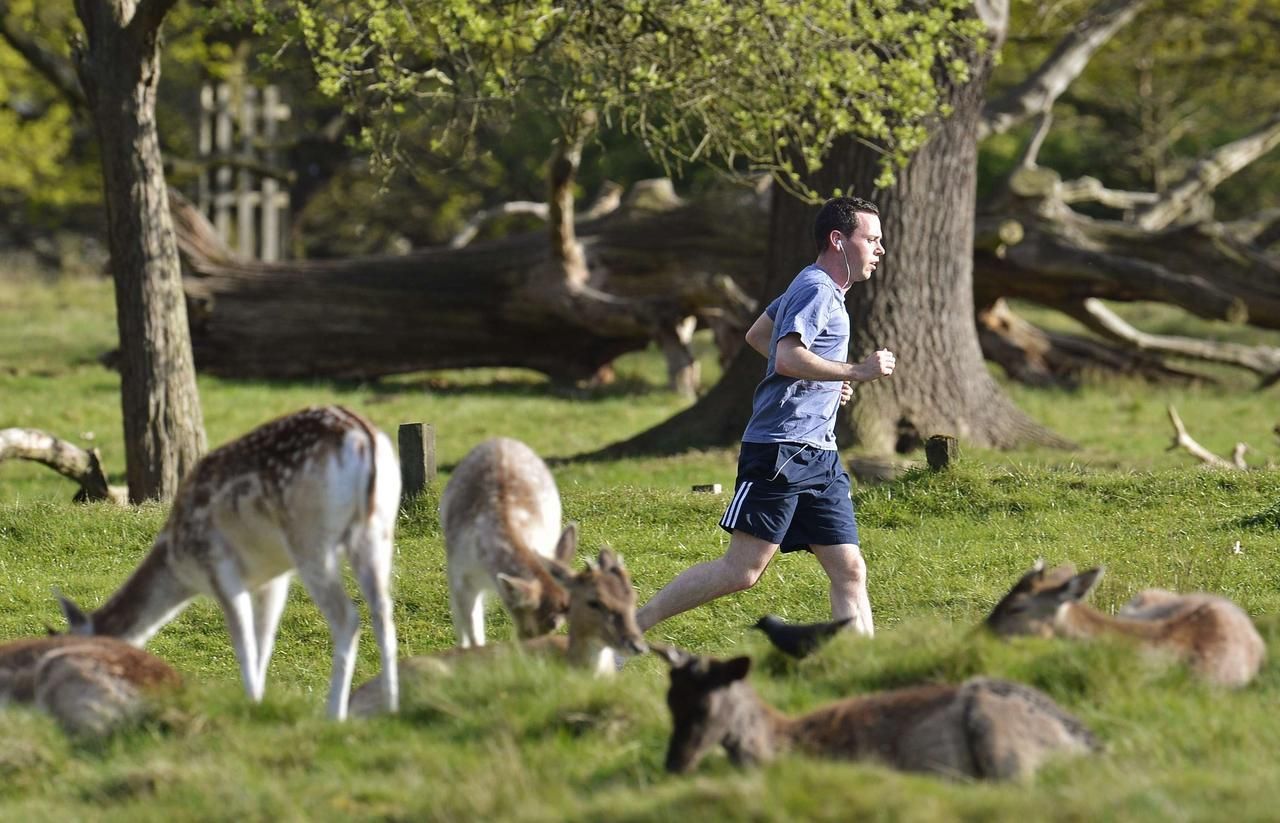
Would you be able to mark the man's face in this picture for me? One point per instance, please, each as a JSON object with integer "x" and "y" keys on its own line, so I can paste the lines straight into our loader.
{"x": 863, "y": 248}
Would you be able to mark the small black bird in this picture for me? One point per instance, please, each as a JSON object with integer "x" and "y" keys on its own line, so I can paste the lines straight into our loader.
{"x": 799, "y": 639}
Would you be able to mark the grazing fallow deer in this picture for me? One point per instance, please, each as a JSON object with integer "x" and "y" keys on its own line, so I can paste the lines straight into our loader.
{"x": 297, "y": 493}
{"x": 1211, "y": 634}
{"x": 602, "y": 620}
{"x": 984, "y": 728}
{"x": 88, "y": 684}
{"x": 500, "y": 514}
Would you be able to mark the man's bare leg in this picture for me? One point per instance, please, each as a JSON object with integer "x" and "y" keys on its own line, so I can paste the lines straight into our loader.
{"x": 738, "y": 568}
{"x": 847, "y": 571}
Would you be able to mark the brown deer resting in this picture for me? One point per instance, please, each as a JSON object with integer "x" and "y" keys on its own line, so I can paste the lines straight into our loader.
{"x": 89, "y": 684}
{"x": 984, "y": 728}
{"x": 299, "y": 493}
{"x": 1211, "y": 634}
{"x": 500, "y": 514}
{"x": 602, "y": 620}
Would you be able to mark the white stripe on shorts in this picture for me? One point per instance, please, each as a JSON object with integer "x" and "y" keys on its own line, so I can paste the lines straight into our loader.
{"x": 730, "y": 518}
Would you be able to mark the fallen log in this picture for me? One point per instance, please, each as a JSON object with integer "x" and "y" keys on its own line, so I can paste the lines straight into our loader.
{"x": 71, "y": 461}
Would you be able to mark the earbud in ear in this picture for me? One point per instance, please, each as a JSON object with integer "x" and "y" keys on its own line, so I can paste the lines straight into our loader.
{"x": 839, "y": 246}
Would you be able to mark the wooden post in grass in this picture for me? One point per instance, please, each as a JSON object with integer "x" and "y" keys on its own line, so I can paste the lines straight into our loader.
{"x": 941, "y": 451}
{"x": 417, "y": 458}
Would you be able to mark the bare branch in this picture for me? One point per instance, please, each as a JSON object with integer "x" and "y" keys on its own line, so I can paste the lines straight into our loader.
{"x": 1091, "y": 190}
{"x": 1183, "y": 440}
{"x": 70, "y": 461}
{"x": 56, "y": 69}
{"x": 1261, "y": 229}
{"x": 1039, "y": 91}
{"x": 1032, "y": 150}
{"x": 1263, "y": 360}
{"x": 1208, "y": 173}
{"x": 607, "y": 201}
{"x": 472, "y": 227}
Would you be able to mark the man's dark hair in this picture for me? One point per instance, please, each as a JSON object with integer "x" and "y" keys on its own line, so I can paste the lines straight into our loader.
{"x": 839, "y": 213}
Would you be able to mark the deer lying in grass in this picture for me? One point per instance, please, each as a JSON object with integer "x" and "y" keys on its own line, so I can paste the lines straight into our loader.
{"x": 500, "y": 514}
{"x": 89, "y": 684}
{"x": 1211, "y": 634}
{"x": 297, "y": 493}
{"x": 984, "y": 728}
{"x": 602, "y": 620}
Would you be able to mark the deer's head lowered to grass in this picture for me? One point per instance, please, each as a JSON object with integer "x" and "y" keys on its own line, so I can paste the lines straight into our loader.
{"x": 296, "y": 494}
{"x": 1210, "y": 633}
{"x": 500, "y": 514}
{"x": 602, "y": 621}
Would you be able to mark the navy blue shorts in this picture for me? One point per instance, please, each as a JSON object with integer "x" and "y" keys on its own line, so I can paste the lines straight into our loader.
{"x": 793, "y": 495}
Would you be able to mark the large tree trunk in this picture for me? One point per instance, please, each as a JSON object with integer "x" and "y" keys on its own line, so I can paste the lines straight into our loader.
{"x": 919, "y": 303}
{"x": 119, "y": 67}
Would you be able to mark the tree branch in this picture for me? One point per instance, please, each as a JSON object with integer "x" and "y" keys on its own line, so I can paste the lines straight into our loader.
{"x": 1039, "y": 91}
{"x": 1183, "y": 440}
{"x": 70, "y": 461}
{"x": 58, "y": 70}
{"x": 1262, "y": 360}
{"x": 1208, "y": 173}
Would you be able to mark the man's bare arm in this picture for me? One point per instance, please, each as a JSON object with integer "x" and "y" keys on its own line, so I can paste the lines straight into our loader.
{"x": 794, "y": 360}
{"x": 760, "y": 333}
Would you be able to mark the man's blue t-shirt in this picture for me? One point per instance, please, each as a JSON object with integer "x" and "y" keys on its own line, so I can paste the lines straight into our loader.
{"x": 787, "y": 410}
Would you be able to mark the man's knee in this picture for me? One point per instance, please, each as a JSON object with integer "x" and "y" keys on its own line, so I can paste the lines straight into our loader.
{"x": 843, "y": 563}
{"x": 740, "y": 576}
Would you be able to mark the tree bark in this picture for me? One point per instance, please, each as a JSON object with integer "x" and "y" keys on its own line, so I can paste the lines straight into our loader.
{"x": 565, "y": 308}
{"x": 119, "y": 66}
{"x": 919, "y": 303}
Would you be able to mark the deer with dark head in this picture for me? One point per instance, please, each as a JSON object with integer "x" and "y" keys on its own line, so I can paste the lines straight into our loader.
{"x": 984, "y": 728}
{"x": 1211, "y": 634}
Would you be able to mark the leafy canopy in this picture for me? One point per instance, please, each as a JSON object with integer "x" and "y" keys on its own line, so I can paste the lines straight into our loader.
{"x": 761, "y": 85}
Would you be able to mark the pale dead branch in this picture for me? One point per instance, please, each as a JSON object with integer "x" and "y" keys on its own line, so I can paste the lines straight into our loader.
{"x": 1183, "y": 440}
{"x": 1263, "y": 360}
{"x": 1208, "y": 173}
{"x": 1038, "y": 92}
{"x": 84, "y": 467}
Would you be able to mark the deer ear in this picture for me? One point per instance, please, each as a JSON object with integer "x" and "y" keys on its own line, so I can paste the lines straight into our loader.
{"x": 609, "y": 560}
{"x": 559, "y": 572}
{"x": 77, "y": 621}
{"x": 725, "y": 672}
{"x": 673, "y": 655}
{"x": 517, "y": 591}
{"x": 567, "y": 545}
{"x": 1080, "y": 585}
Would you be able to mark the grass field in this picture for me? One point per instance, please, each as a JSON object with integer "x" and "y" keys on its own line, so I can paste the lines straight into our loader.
{"x": 525, "y": 739}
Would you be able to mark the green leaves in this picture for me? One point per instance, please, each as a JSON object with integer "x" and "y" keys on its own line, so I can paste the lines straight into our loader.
{"x": 765, "y": 85}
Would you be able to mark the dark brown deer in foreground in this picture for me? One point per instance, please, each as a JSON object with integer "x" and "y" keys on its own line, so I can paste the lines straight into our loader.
{"x": 1211, "y": 634}
{"x": 89, "y": 684}
{"x": 984, "y": 728}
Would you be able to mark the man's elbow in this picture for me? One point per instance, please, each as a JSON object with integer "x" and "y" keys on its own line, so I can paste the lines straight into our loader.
{"x": 785, "y": 365}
